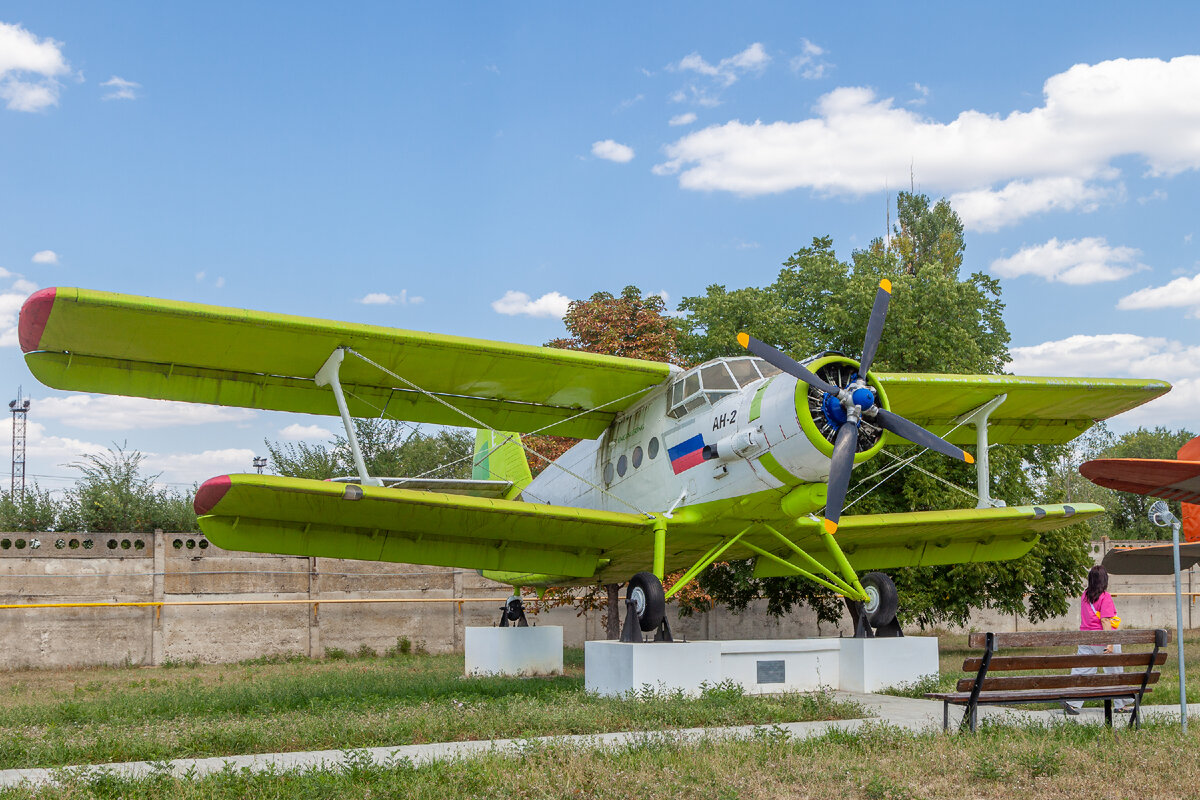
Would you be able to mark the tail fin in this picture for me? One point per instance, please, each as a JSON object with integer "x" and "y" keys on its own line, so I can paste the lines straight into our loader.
{"x": 500, "y": 457}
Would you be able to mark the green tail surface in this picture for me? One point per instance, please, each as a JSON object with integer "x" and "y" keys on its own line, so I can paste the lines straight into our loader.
{"x": 500, "y": 457}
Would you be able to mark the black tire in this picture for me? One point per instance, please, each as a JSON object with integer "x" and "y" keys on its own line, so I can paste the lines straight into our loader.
{"x": 647, "y": 592}
{"x": 881, "y": 607}
{"x": 513, "y": 608}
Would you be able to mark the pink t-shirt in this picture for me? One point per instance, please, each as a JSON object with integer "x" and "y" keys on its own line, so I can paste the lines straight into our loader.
{"x": 1088, "y": 621}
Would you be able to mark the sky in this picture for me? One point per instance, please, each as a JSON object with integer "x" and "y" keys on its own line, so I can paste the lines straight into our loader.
{"x": 469, "y": 168}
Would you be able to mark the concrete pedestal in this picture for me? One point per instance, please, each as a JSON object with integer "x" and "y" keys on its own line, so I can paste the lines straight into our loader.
{"x": 615, "y": 669}
{"x": 514, "y": 651}
{"x": 869, "y": 665}
{"x": 759, "y": 666}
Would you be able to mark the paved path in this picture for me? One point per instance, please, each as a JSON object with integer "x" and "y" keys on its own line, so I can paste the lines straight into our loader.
{"x": 901, "y": 712}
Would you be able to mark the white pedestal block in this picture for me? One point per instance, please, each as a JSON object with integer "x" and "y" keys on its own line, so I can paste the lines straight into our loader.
{"x": 614, "y": 669}
{"x": 514, "y": 651}
{"x": 781, "y": 665}
{"x": 868, "y": 665}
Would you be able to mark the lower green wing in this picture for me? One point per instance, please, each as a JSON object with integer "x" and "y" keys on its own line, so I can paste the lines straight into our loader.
{"x": 1036, "y": 411}
{"x": 927, "y": 538}
{"x": 295, "y": 516}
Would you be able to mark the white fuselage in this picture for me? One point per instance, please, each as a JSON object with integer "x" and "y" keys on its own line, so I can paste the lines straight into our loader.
{"x": 651, "y": 459}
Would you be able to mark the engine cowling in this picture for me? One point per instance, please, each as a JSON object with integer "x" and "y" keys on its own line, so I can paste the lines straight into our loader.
{"x": 818, "y": 413}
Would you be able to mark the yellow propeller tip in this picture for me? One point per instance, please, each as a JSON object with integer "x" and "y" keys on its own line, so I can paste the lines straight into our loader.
{"x": 830, "y": 526}
{"x": 886, "y": 285}
{"x": 970, "y": 459}
{"x": 744, "y": 339}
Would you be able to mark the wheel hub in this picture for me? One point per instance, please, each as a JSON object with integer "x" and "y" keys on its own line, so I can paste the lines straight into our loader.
{"x": 639, "y": 600}
{"x": 871, "y": 605}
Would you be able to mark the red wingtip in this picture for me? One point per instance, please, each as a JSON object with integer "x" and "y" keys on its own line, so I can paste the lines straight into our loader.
{"x": 34, "y": 316}
{"x": 210, "y": 493}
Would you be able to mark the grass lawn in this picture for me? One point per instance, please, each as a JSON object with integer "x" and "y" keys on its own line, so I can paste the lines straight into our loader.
{"x": 1009, "y": 763}
{"x": 87, "y": 716}
{"x": 954, "y": 649}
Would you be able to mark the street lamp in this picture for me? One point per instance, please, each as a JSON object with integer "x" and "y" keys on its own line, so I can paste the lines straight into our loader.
{"x": 1161, "y": 516}
{"x": 259, "y": 463}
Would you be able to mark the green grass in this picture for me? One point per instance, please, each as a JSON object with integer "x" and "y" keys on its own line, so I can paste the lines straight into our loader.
{"x": 953, "y": 649}
{"x": 55, "y": 718}
{"x": 877, "y": 763}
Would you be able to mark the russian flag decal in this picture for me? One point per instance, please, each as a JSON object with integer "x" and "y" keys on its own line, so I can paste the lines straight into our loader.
{"x": 687, "y": 453}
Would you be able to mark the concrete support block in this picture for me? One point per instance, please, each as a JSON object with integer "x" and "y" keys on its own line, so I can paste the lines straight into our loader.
{"x": 868, "y": 665}
{"x": 782, "y": 665}
{"x": 514, "y": 651}
{"x": 614, "y": 669}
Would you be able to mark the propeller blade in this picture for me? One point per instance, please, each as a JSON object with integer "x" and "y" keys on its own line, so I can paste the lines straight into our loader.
{"x": 785, "y": 363}
{"x": 839, "y": 473}
{"x": 875, "y": 326}
{"x": 918, "y": 435}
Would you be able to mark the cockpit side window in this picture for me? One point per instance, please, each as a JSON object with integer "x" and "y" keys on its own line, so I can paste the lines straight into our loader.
{"x": 744, "y": 371}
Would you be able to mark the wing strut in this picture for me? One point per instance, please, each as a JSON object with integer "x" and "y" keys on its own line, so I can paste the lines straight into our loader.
{"x": 328, "y": 375}
{"x": 983, "y": 477}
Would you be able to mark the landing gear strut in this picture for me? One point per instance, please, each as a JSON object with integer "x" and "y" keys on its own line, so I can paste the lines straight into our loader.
{"x": 512, "y": 613}
{"x": 878, "y": 612}
{"x": 645, "y": 609}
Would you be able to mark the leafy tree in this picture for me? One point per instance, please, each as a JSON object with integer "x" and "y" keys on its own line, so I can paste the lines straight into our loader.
{"x": 33, "y": 510}
{"x": 937, "y": 322}
{"x": 112, "y": 494}
{"x": 389, "y": 449}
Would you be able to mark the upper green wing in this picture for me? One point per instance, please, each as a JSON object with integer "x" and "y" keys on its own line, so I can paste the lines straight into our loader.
{"x": 927, "y": 538}
{"x": 1036, "y": 411}
{"x": 84, "y": 340}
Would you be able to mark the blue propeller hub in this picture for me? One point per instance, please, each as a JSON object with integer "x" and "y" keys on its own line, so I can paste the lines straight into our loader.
{"x": 863, "y": 397}
{"x": 831, "y": 407}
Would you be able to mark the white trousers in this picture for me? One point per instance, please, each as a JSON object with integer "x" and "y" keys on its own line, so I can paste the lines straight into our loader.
{"x": 1093, "y": 650}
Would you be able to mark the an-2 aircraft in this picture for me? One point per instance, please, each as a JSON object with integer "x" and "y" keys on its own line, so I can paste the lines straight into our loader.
{"x": 732, "y": 459}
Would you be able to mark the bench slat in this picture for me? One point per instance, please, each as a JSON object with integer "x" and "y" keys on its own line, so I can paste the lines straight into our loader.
{"x": 1007, "y": 682}
{"x": 1040, "y": 695}
{"x": 1064, "y": 638}
{"x": 1003, "y": 663}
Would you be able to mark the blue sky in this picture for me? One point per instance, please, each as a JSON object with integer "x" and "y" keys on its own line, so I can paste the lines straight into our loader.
{"x": 470, "y": 167}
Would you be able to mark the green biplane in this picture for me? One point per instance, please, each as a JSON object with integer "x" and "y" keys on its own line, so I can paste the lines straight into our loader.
{"x": 677, "y": 469}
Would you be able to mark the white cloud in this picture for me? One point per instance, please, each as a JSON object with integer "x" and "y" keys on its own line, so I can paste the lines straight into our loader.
{"x": 625, "y": 105}
{"x": 296, "y": 432}
{"x": 1157, "y": 194}
{"x": 726, "y": 71}
{"x": 24, "y": 287}
{"x": 513, "y": 303}
{"x": 200, "y": 276}
{"x": 49, "y": 450}
{"x": 29, "y": 69}
{"x": 1119, "y": 355}
{"x": 116, "y": 413}
{"x": 1179, "y": 293}
{"x": 1076, "y": 262}
{"x": 45, "y": 257}
{"x": 989, "y": 210}
{"x": 1092, "y": 115}
{"x": 809, "y": 64}
{"x": 11, "y": 300}
{"x": 199, "y": 467}
{"x": 121, "y": 89}
{"x": 682, "y": 119}
{"x": 612, "y": 151}
{"x": 922, "y": 95}
{"x": 384, "y": 299}
{"x": 219, "y": 282}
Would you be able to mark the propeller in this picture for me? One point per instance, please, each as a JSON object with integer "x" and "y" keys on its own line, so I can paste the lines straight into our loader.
{"x": 855, "y": 402}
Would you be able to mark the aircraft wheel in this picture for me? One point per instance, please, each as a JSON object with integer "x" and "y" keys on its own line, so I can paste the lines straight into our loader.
{"x": 646, "y": 592}
{"x": 513, "y": 608}
{"x": 882, "y": 600}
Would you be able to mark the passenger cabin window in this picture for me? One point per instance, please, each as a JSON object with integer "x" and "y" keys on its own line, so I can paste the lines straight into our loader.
{"x": 712, "y": 382}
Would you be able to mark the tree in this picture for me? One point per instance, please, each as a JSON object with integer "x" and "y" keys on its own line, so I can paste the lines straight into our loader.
{"x": 389, "y": 449}
{"x": 937, "y": 322}
{"x": 112, "y": 494}
{"x": 33, "y": 510}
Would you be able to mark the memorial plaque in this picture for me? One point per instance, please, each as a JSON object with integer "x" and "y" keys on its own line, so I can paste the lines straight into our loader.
{"x": 771, "y": 672}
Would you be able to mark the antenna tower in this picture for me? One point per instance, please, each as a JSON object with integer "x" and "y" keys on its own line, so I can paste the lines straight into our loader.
{"x": 20, "y": 410}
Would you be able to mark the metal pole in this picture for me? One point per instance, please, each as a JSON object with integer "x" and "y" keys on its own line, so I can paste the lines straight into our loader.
{"x": 1179, "y": 625}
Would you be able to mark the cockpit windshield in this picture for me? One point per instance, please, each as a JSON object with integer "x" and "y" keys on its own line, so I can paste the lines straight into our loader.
{"x": 710, "y": 383}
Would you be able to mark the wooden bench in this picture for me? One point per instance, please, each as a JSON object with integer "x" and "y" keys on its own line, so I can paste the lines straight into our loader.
{"x": 988, "y": 689}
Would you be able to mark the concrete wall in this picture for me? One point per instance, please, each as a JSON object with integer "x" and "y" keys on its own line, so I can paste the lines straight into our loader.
{"x": 158, "y": 567}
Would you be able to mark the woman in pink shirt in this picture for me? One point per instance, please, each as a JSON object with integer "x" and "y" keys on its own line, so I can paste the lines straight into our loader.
{"x": 1096, "y": 613}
